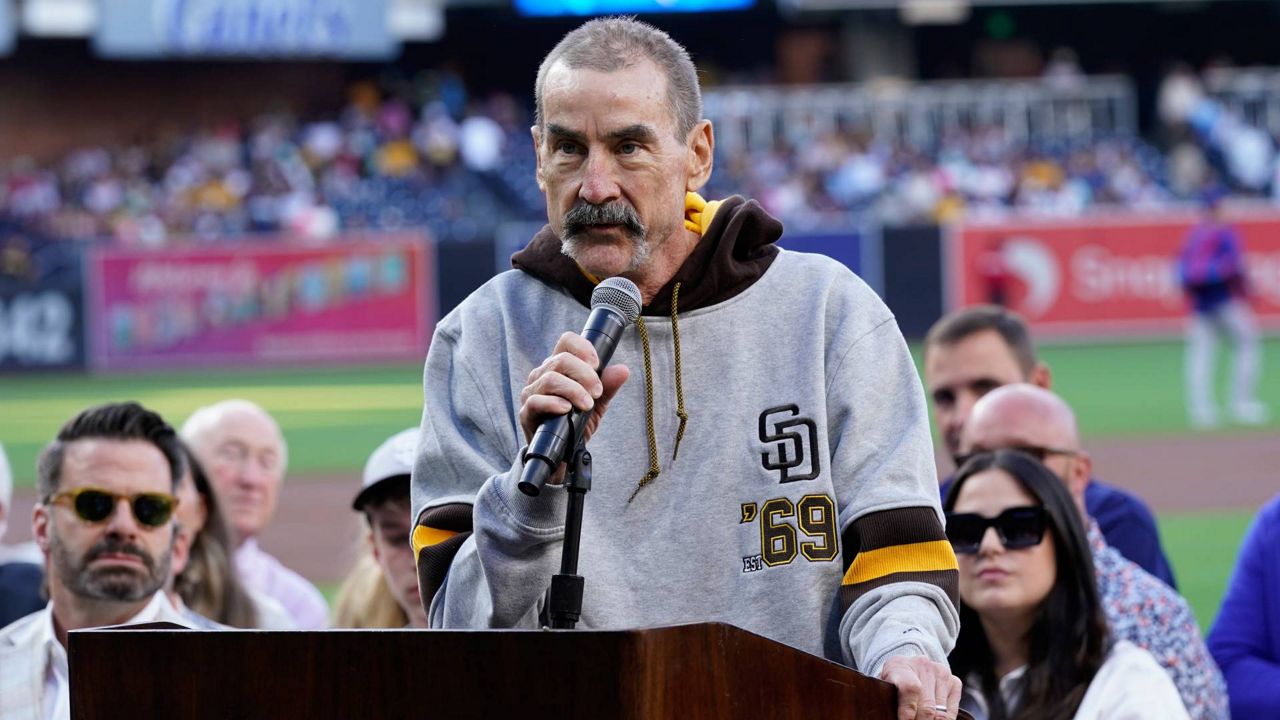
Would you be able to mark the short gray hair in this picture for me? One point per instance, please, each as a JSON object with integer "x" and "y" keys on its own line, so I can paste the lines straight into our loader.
{"x": 611, "y": 44}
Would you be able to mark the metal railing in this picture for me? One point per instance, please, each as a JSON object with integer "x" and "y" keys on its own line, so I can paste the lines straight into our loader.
{"x": 1253, "y": 94}
{"x": 759, "y": 117}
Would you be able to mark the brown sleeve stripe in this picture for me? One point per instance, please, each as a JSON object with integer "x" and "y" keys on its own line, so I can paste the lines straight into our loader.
{"x": 433, "y": 565}
{"x": 905, "y": 544}
{"x": 902, "y": 526}
{"x": 455, "y": 517}
{"x": 948, "y": 580}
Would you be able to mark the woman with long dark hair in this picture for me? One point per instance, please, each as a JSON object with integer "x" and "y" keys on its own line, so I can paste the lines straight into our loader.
{"x": 205, "y": 578}
{"x": 1033, "y": 637}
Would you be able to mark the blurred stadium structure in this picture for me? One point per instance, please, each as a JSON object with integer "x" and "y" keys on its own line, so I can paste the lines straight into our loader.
{"x": 219, "y": 183}
{"x": 912, "y": 142}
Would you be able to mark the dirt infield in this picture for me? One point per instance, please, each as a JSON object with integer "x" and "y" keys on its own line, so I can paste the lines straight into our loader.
{"x": 317, "y": 533}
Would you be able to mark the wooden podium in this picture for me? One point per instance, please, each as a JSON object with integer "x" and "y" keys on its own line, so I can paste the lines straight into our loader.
{"x": 689, "y": 672}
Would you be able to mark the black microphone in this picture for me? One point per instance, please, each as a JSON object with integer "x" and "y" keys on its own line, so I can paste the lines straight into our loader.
{"x": 615, "y": 304}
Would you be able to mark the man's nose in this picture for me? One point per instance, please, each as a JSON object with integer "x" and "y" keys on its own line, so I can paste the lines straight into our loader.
{"x": 122, "y": 521}
{"x": 599, "y": 180}
{"x": 962, "y": 409}
{"x": 252, "y": 474}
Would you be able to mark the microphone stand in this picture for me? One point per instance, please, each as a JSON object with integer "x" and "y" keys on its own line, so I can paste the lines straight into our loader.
{"x": 564, "y": 603}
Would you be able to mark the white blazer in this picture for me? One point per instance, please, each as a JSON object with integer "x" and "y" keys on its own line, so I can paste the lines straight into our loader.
{"x": 24, "y": 656}
{"x": 1131, "y": 685}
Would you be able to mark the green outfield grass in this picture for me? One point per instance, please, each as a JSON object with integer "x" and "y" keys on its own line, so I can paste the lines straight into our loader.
{"x": 1136, "y": 388}
{"x": 1133, "y": 389}
{"x": 1203, "y": 548}
{"x": 332, "y": 419}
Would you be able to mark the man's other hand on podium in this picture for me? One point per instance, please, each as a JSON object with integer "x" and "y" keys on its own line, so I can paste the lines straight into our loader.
{"x": 926, "y": 689}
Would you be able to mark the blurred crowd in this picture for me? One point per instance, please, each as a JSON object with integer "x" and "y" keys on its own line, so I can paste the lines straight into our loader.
{"x": 422, "y": 155}
{"x": 427, "y": 154}
{"x": 978, "y": 171}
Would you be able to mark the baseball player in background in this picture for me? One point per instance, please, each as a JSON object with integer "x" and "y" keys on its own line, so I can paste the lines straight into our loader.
{"x": 1211, "y": 269}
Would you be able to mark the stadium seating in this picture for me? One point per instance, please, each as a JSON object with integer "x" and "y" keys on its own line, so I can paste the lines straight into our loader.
{"x": 903, "y": 152}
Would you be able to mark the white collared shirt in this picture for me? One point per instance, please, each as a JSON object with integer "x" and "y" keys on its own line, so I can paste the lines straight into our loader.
{"x": 1130, "y": 684}
{"x": 263, "y": 574}
{"x": 57, "y": 687}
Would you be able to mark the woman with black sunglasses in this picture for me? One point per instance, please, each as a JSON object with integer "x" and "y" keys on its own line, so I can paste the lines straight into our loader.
{"x": 1033, "y": 638}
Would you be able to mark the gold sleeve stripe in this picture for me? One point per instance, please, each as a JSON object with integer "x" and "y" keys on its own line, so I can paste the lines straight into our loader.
{"x": 424, "y": 536}
{"x": 915, "y": 557}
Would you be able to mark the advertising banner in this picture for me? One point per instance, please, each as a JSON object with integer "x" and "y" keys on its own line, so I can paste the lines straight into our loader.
{"x": 42, "y": 324}
{"x": 153, "y": 29}
{"x": 843, "y": 245}
{"x": 263, "y": 303}
{"x": 1102, "y": 276}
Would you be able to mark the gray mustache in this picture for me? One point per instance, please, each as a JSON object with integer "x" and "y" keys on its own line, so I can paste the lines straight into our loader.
{"x": 615, "y": 213}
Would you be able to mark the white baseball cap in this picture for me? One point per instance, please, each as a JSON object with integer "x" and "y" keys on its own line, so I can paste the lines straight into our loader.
{"x": 393, "y": 460}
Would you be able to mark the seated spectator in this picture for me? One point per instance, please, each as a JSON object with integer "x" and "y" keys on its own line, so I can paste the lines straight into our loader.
{"x": 205, "y": 584}
{"x": 26, "y": 552}
{"x": 384, "y": 501}
{"x": 19, "y": 590}
{"x": 242, "y": 449}
{"x": 365, "y": 601}
{"x": 1245, "y": 639}
{"x": 1033, "y": 636}
{"x": 20, "y": 575}
{"x": 969, "y": 353}
{"x": 1139, "y": 608}
{"x": 105, "y": 525}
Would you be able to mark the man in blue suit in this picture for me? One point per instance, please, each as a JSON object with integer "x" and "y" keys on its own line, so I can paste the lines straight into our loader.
{"x": 19, "y": 577}
{"x": 973, "y": 351}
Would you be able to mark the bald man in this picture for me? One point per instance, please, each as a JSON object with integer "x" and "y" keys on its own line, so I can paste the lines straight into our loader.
{"x": 972, "y": 351}
{"x": 244, "y": 453}
{"x": 1139, "y": 607}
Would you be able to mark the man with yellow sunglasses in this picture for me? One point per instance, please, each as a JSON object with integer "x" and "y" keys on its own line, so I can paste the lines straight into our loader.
{"x": 105, "y": 526}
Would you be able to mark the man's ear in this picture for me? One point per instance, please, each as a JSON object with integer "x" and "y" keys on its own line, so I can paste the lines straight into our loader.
{"x": 180, "y": 549}
{"x": 702, "y": 145}
{"x": 40, "y": 527}
{"x": 1081, "y": 471}
{"x": 1041, "y": 376}
{"x": 536, "y": 133}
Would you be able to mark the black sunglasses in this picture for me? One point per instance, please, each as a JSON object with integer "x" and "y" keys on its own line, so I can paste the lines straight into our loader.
{"x": 1018, "y": 528}
{"x": 95, "y": 505}
{"x": 1036, "y": 451}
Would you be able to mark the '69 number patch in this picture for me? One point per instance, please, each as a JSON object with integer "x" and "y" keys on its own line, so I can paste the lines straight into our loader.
{"x": 806, "y": 528}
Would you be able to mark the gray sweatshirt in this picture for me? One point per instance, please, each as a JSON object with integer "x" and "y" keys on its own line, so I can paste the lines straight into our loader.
{"x": 803, "y": 503}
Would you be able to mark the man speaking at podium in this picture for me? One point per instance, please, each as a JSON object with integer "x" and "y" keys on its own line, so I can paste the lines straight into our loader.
{"x": 765, "y": 459}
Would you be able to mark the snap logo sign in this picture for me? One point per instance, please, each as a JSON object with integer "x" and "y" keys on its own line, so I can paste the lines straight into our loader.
{"x": 1112, "y": 275}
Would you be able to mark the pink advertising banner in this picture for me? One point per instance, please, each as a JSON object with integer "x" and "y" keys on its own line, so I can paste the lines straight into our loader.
{"x": 368, "y": 298}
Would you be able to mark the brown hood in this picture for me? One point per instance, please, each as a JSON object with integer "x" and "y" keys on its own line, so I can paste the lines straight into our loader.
{"x": 736, "y": 249}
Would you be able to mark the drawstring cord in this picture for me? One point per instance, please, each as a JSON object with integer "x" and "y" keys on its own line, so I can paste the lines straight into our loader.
{"x": 655, "y": 468}
{"x": 675, "y": 333}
